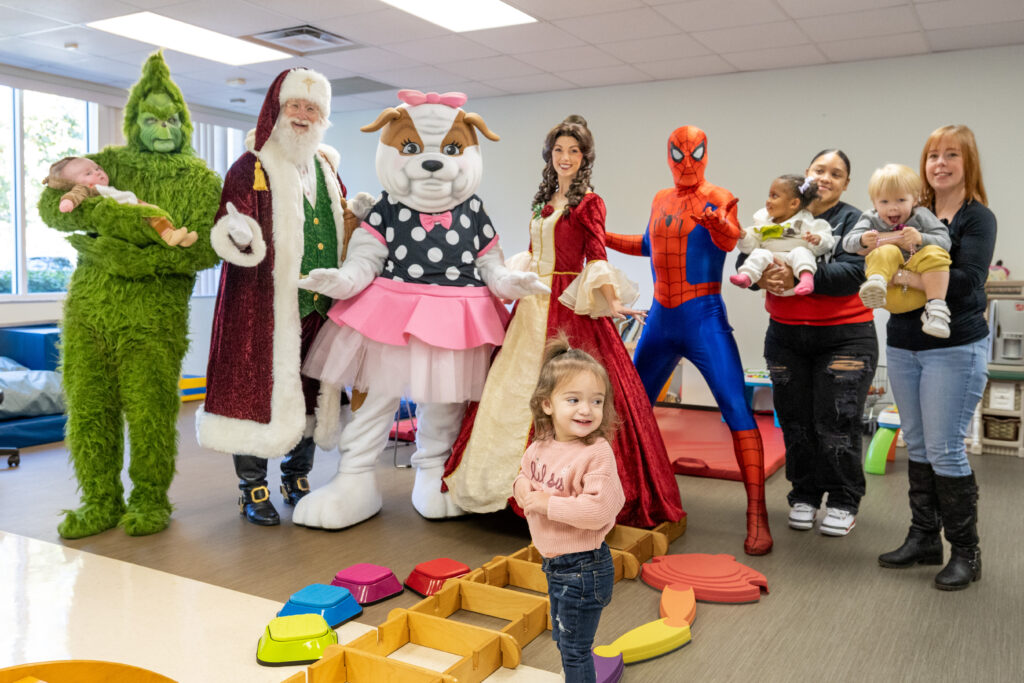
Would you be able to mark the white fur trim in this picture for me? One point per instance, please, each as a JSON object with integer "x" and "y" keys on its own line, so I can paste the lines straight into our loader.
{"x": 306, "y": 84}
{"x": 229, "y": 251}
{"x": 328, "y": 417}
{"x": 245, "y": 437}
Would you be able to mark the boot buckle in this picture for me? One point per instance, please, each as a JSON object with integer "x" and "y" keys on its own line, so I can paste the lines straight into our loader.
{"x": 259, "y": 494}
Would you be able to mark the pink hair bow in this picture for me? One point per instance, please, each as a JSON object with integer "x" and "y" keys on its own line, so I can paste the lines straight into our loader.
{"x": 415, "y": 97}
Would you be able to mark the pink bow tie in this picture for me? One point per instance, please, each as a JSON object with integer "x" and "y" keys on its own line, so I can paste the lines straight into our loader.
{"x": 415, "y": 97}
{"x": 429, "y": 220}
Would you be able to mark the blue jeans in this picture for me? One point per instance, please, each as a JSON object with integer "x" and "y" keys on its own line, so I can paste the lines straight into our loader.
{"x": 579, "y": 587}
{"x": 936, "y": 392}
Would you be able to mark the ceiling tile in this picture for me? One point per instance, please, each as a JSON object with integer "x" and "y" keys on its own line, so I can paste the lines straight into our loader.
{"x": 674, "y": 46}
{"x": 986, "y": 35}
{"x": 19, "y": 51}
{"x": 776, "y": 58}
{"x": 230, "y": 17}
{"x": 615, "y": 75}
{"x": 562, "y": 9}
{"x": 491, "y": 67}
{"x": 704, "y": 15}
{"x": 879, "y": 22}
{"x": 351, "y": 103}
{"x": 13, "y": 22}
{"x": 950, "y": 13}
{"x": 746, "y": 38}
{"x": 801, "y": 9}
{"x": 89, "y": 41}
{"x": 613, "y": 26}
{"x": 383, "y": 27}
{"x": 690, "y": 67}
{"x": 278, "y": 65}
{"x": 582, "y": 57}
{"x": 535, "y": 83}
{"x": 72, "y": 12}
{"x": 310, "y": 11}
{"x": 524, "y": 38}
{"x": 473, "y": 89}
{"x": 875, "y": 48}
{"x": 366, "y": 59}
{"x": 417, "y": 77}
{"x": 442, "y": 49}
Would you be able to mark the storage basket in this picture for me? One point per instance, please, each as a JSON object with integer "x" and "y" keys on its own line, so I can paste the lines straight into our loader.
{"x": 1001, "y": 428}
{"x": 985, "y": 400}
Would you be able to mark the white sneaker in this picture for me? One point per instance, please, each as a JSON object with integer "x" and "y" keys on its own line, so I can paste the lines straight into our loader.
{"x": 872, "y": 292}
{"x": 801, "y": 516}
{"x": 837, "y": 522}
{"x": 935, "y": 319}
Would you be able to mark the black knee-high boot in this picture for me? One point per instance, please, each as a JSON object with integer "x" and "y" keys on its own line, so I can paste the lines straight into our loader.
{"x": 922, "y": 545}
{"x": 294, "y": 468}
{"x": 254, "y": 502}
{"x": 958, "y": 501}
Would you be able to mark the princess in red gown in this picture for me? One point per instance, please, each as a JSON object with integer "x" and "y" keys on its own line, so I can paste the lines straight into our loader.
{"x": 567, "y": 251}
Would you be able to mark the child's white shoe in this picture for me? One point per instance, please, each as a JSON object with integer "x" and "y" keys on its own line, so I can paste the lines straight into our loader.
{"x": 872, "y": 292}
{"x": 935, "y": 319}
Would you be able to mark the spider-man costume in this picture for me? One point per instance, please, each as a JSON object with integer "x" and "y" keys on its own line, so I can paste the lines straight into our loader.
{"x": 692, "y": 227}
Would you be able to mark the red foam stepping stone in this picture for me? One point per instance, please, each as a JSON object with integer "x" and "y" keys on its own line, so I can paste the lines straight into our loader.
{"x": 428, "y": 577}
{"x": 714, "y": 578}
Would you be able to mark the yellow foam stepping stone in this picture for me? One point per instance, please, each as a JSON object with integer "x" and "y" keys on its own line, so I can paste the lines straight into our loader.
{"x": 651, "y": 640}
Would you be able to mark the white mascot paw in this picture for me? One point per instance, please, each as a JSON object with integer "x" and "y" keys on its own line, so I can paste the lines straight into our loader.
{"x": 346, "y": 500}
{"x": 427, "y": 497}
{"x": 361, "y": 204}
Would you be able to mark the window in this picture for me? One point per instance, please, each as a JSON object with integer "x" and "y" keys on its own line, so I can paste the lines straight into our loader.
{"x": 36, "y": 129}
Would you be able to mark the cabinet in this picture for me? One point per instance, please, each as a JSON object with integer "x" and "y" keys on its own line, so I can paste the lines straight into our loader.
{"x": 1001, "y": 413}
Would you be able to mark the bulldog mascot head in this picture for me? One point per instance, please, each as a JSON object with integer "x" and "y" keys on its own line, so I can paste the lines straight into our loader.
{"x": 417, "y": 310}
{"x": 429, "y": 157}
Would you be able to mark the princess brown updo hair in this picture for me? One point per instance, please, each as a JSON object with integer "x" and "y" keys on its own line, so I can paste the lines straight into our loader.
{"x": 574, "y": 126}
{"x": 562, "y": 361}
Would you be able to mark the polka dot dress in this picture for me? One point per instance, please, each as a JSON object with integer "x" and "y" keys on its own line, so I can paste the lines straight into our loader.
{"x": 438, "y": 255}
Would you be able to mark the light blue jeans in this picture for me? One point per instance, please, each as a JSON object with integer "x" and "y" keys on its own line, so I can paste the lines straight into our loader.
{"x": 936, "y": 392}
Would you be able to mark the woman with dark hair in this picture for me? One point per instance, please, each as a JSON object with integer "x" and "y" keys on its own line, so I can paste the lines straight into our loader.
{"x": 567, "y": 250}
{"x": 821, "y": 351}
{"x": 936, "y": 382}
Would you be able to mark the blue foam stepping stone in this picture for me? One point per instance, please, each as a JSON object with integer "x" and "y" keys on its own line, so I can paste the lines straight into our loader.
{"x": 334, "y": 603}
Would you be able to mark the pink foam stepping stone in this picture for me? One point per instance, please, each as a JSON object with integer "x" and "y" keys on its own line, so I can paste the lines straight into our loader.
{"x": 714, "y": 578}
{"x": 608, "y": 669}
{"x": 428, "y": 577}
{"x": 368, "y": 583}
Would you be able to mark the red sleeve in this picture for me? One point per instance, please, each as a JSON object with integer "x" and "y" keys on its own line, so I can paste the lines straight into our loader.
{"x": 592, "y": 216}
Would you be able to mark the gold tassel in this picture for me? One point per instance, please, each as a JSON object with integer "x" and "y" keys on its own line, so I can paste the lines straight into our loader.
{"x": 259, "y": 182}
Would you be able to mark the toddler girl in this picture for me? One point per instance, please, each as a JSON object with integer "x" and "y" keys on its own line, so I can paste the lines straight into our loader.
{"x": 898, "y": 236}
{"x": 784, "y": 226}
{"x": 569, "y": 489}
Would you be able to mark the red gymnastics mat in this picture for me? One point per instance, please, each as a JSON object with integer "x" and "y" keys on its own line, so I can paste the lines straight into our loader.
{"x": 700, "y": 444}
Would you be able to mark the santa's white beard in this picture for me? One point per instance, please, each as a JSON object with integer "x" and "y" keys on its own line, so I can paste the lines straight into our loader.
{"x": 298, "y": 147}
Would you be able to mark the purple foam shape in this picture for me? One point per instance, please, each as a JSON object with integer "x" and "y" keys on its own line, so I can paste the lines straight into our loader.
{"x": 609, "y": 669}
{"x": 368, "y": 583}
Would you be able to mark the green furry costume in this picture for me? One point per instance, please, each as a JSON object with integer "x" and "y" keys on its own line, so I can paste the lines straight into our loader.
{"x": 126, "y": 313}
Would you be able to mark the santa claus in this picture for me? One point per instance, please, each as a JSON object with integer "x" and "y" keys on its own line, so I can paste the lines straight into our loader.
{"x": 282, "y": 215}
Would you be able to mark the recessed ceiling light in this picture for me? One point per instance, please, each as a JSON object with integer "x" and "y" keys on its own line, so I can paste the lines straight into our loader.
{"x": 235, "y": 82}
{"x": 71, "y": 46}
{"x": 464, "y": 15}
{"x": 192, "y": 40}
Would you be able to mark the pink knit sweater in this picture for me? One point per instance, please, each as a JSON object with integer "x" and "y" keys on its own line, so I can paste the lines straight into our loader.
{"x": 586, "y": 494}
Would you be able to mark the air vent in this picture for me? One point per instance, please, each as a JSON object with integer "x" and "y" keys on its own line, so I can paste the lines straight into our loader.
{"x": 303, "y": 40}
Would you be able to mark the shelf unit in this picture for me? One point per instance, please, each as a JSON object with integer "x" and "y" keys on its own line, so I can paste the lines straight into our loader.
{"x": 1001, "y": 411}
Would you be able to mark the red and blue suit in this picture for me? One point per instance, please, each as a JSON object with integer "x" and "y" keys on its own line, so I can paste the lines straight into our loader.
{"x": 692, "y": 227}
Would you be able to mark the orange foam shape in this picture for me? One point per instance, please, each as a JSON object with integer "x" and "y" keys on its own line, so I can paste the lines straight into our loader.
{"x": 714, "y": 578}
{"x": 678, "y": 605}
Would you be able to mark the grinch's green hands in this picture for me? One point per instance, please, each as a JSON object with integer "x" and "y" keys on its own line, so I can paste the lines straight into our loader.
{"x": 122, "y": 259}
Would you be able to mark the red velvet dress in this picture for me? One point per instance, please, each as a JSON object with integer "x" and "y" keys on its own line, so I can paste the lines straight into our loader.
{"x": 568, "y": 253}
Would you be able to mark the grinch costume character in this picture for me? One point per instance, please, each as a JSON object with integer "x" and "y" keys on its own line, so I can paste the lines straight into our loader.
{"x": 282, "y": 215}
{"x": 126, "y": 313}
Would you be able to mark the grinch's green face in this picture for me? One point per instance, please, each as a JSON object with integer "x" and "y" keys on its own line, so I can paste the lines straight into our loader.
{"x": 160, "y": 124}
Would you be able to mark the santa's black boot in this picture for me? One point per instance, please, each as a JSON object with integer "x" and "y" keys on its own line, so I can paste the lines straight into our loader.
{"x": 923, "y": 544}
{"x": 958, "y": 500}
{"x": 294, "y": 468}
{"x": 254, "y": 502}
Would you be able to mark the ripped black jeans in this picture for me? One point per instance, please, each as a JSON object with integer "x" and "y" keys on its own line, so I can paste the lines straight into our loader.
{"x": 820, "y": 378}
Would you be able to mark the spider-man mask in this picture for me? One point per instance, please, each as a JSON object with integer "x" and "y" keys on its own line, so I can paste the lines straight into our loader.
{"x": 688, "y": 155}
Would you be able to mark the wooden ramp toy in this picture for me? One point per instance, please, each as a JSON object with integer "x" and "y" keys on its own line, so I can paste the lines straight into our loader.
{"x": 527, "y": 614}
{"x": 640, "y": 543}
{"x": 714, "y": 578}
{"x": 81, "y": 671}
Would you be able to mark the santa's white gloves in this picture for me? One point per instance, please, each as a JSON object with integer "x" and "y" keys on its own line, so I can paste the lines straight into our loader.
{"x": 364, "y": 262}
{"x": 361, "y": 204}
{"x": 505, "y": 283}
{"x": 240, "y": 227}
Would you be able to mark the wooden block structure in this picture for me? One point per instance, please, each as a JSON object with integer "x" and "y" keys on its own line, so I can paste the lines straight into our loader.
{"x": 484, "y": 591}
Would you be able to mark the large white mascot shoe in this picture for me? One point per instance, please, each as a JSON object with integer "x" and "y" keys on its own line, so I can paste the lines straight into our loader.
{"x": 427, "y": 497}
{"x": 346, "y": 500}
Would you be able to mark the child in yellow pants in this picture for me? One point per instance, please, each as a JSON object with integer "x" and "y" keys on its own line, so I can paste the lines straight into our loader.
{"x": 897, "y": 235}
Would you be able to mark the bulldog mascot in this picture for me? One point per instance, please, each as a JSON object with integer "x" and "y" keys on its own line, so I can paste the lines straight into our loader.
{"x": 417, "y": 310}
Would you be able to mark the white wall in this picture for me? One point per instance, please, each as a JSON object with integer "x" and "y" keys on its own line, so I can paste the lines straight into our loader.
{"x": 759, "y": 126}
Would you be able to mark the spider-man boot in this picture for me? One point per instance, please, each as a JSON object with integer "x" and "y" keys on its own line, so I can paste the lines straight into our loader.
{"x": 750, "y": 457}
